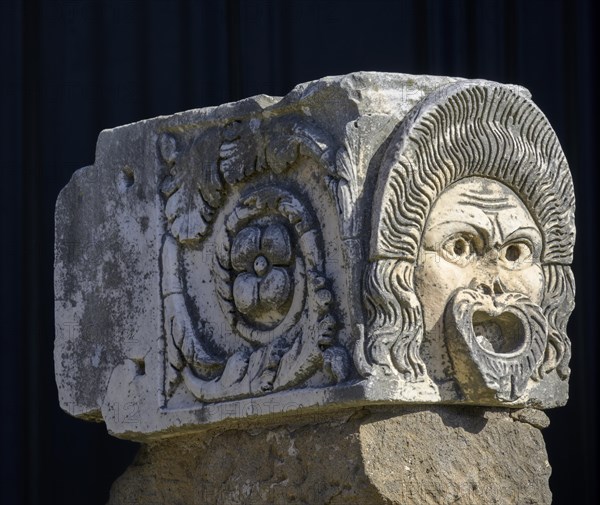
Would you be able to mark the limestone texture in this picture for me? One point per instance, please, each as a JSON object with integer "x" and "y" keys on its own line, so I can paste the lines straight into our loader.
{"x": 368, "y": 239}
{"x": 405, "y": 456}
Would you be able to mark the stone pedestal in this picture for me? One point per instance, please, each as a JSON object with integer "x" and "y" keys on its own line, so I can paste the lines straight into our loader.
{"x": 368, "y": 456}
{"x": 312, "y": 299}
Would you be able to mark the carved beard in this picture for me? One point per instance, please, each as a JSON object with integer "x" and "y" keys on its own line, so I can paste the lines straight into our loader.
{"x": 496, "y": 343}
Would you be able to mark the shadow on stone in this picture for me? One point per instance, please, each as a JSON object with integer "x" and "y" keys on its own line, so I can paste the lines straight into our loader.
{"x": 470, "y": 419}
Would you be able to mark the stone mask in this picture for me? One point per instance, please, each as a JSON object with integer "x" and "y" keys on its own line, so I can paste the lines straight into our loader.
{"x": 480, "y": 281}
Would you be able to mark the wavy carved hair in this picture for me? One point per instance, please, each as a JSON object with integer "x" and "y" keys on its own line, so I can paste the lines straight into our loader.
{"x": 462, "y": 130}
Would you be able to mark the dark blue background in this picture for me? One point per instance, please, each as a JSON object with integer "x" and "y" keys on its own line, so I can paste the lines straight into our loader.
{"x": 71, "y": 68}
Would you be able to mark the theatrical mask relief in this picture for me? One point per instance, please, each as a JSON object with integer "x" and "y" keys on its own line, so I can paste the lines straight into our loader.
{"x": 367, "y": 238}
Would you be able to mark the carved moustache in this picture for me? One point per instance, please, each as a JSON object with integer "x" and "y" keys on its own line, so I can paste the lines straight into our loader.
{"x": 495, "y": 342}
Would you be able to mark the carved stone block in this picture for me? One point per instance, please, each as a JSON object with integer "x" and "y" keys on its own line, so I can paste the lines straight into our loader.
{"x": 367, "y": 239}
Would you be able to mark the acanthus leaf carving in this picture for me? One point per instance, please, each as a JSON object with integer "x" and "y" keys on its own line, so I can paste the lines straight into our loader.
{"x": 201, "y": 169}
{"x": 361, "y": 140}
{"x": 264, "y": 291}
{"x": 291, "y": 137}
{"x": 193, "y": 188}
{"x": 184, "y": 345}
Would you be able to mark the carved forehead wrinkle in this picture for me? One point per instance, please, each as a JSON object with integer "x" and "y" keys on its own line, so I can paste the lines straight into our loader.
{"x": 483, "y": 203}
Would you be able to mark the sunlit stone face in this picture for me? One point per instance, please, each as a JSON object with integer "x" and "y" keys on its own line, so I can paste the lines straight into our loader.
{"x": 479, "y": 235}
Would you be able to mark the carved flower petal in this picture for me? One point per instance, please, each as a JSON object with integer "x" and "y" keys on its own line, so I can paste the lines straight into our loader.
{"x": 275, "y": 245}
{"x": 245, "y": 292}
{"x": 275, "y": 289}
{"x": 245, "y": 248}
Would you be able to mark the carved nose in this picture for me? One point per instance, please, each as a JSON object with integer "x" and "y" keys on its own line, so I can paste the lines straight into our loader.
{"x": 492, "y": 287}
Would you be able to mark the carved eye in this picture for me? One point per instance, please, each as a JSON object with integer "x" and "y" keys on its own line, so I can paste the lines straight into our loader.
{"x": 459, "y": 249}
{"x": 517, "y": 254}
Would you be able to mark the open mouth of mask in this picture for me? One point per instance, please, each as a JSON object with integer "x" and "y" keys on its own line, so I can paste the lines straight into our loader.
{"x": 495, "y": 342}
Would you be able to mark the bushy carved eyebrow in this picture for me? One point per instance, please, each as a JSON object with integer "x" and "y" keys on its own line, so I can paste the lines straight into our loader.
{"x": 527, "y": 232}
{"x": 455, "y": 227}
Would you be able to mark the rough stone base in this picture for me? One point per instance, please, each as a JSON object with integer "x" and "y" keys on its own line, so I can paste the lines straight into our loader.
{"x": 421, "y": 456}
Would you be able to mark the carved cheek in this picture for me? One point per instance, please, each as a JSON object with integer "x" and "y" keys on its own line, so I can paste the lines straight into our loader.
{"x": 528, "y": 281}
{"x": 435, "y": 281}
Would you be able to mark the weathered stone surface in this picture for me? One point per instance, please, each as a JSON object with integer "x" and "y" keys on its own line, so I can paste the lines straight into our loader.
{"x": 367, "y": 239}
{"x": 406, "y": 456}
{"x": 534, "y": 417}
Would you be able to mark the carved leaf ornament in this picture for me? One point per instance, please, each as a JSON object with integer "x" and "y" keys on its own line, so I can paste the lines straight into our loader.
{"x": 268, "y": 268}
